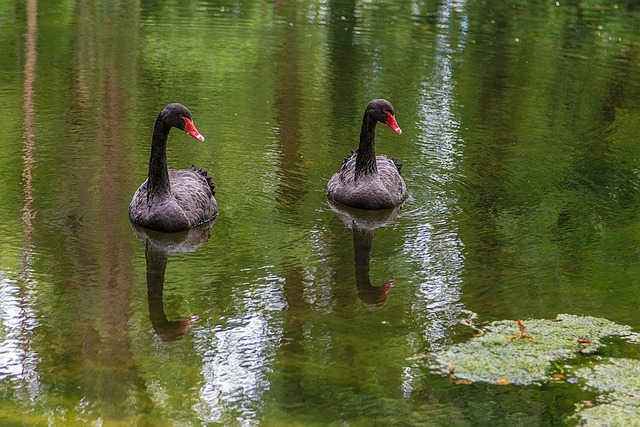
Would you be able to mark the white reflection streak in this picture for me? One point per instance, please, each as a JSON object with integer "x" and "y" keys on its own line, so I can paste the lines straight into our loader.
{"x": 318, "y": 13}
{"x": 237, "y": 357}
{"x": 434, "y": 243}
{"x": 17, "y": 361}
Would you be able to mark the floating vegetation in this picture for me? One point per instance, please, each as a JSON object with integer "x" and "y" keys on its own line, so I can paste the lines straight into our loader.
{"x": 537, "y": 351}
{"x": 522, "y": 352}
{"x": 619, "y": 380}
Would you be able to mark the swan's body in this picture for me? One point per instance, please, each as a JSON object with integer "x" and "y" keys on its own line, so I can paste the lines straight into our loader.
{"x": 367, "y": 181}
{"x": 173, "y": 200}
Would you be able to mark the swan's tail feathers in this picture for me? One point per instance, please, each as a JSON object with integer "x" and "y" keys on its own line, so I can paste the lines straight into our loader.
{"x": 204, "y": 173}
{"x": 398, "y": 165}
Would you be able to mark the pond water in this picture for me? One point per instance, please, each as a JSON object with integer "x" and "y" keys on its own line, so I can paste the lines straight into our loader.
{"x": 521, "y": 158}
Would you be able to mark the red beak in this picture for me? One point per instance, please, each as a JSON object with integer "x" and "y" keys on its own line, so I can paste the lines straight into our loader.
{"x": 190, "y": 128}
{"x": 391, "y": 122}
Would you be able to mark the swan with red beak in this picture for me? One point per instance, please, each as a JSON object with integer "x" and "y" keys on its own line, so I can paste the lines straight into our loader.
{"x": 364, "y": 180}
{"x": 173, "y": 200}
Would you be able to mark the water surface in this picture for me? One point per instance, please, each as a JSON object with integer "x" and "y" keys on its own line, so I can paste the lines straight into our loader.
{"x": 520, "y": 156}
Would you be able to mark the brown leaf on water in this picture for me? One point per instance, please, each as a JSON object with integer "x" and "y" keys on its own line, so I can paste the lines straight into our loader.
{"x": 521, "y": 334}
{"x": 521, "y": 326}
{"x": 502, "y": 381}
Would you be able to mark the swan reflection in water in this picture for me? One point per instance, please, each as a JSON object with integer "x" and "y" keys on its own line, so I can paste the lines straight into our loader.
{"x": 158, "y": 247}
{"x": 363, "y": 224}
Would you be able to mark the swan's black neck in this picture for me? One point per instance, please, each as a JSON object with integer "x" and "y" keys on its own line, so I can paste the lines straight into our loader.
{"x": 158, "y": 183}
{"x": 366, "y": 160}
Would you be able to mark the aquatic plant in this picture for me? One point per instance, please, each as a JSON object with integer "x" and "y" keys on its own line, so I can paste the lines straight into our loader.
{"x": 536, "y": 351}
{"x": 619, "y": 381}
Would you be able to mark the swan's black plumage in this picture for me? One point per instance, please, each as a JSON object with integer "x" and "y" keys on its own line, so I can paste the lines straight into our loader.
{"x": 367, "y": 181}
{"x": 173, "y": 200}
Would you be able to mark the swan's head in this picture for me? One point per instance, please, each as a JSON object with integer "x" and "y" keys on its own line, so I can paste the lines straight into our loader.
{"x": 382, "y": 111}
{"x": 179, "y": 116}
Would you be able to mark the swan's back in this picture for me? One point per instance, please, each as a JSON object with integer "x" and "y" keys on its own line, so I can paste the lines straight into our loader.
{"x": 384, "y": 190}
{"x": 194, "y": 193}
{"x": 191, "y": 203}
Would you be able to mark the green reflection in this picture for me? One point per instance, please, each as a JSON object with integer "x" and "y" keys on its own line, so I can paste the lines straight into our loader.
{"x": 519, "y": 154}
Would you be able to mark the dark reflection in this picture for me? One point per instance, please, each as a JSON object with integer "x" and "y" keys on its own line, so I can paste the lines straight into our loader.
{"x": 363, "y": 224}
{"x": 158, "y": 247}
{"x": 343, "y": 54}
{"x": 31, "y": 56}
{"x": 288, "y": 98}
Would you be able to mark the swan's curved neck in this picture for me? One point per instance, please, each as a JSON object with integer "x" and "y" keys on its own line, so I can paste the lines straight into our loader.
{"x": 366, "y": 160}
{"x": 158, "y": 183}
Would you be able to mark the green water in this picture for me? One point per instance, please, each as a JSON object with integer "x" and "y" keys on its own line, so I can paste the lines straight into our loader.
{"x": 520, "y": 150}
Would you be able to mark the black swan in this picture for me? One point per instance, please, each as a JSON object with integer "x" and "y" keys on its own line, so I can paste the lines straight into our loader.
{"x": 365, "y": 181}
{"x": 173, "y": 200}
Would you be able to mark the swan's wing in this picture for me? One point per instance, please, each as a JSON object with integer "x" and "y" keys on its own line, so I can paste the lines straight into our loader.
{"x": 205, "y": 174}
{"x": 383, "y": 190}
{"x": 194, "y": 194}
{"x": 349, "y": 161}
{"x": 397, "y": 165}
{"x": 343, "y": 179}
{"x": 389, "y": 173}
{"x": 139, "y": 208}
{"x": 346, "y": 174}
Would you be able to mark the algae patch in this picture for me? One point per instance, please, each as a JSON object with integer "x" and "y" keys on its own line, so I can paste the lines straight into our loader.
{"x": 507, "y": 353}
{"x": 619, "y": 381}
{"x": 537, "y": 351}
